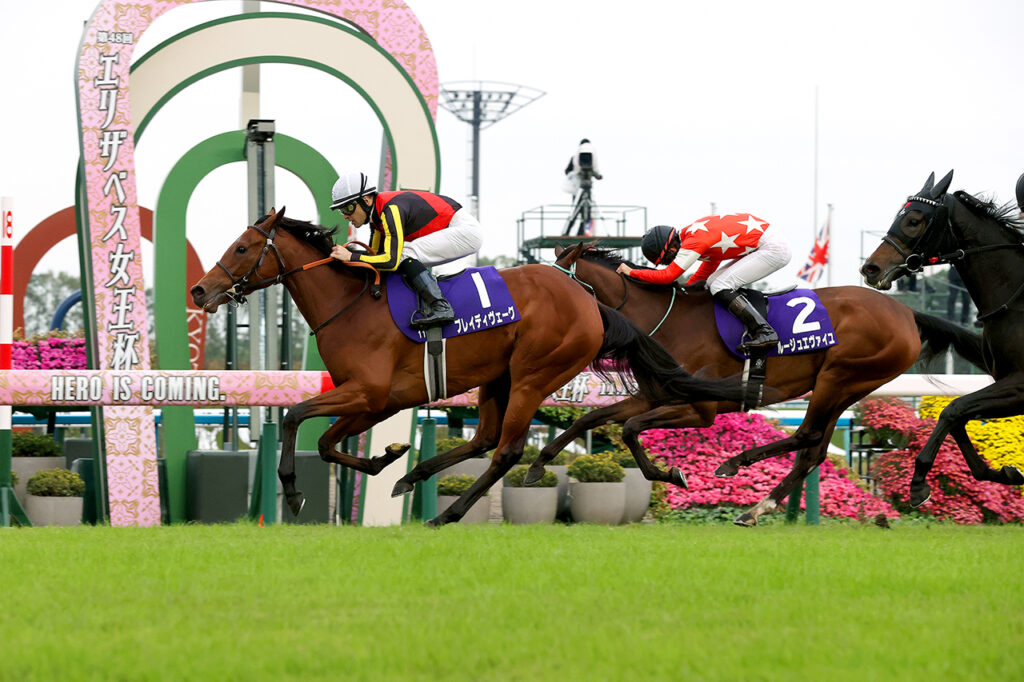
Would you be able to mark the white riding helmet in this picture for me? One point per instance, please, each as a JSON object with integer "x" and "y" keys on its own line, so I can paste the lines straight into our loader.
{"x": 348, "y": 187}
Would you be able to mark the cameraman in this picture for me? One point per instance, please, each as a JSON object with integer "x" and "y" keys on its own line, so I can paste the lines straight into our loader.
{"x": 580, "y": 173}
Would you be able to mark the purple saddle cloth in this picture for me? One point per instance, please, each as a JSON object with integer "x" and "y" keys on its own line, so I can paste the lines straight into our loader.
{"x": 798, "y": 317}
{"x": 479, "y": 296}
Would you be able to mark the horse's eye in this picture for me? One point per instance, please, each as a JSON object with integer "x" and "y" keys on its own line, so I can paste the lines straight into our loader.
{"x": 240, "y": 249}
{"x": 914, "y": 222}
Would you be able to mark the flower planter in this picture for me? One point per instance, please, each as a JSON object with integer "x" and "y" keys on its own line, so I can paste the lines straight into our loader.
{"x": 638, "y": 496}
{"x": 53, "y": 511}
{"x": 26, "y": 467}
{"x": 480, "y": 512}
{"x": 597, "y": 502}
{"x": 529, "y": 505}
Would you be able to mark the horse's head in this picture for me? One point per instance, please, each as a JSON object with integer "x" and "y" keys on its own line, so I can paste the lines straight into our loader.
{"x": 244, "y": 267}
{"x": 920, "y": 232}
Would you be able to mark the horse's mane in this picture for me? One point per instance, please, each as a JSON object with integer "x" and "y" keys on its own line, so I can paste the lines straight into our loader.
{"x": 318, "y": 236}
{"x": 1006, "y": 216}
{"x": 611, "y": 259}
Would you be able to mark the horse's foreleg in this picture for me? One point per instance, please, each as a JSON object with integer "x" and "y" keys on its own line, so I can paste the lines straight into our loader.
{"x": 352, "y": 412}
{"x": 610, "y": 414}
{"x": 666, "y": 417}
{"x": 492, "y": 400}
{"x": 515, "y": 428}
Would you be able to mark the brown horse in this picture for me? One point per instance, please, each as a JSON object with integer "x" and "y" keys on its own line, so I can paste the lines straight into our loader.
{"x": 377, "y": 371}
{"x": 985, "y": 243}
{"x": 877, "y": 340}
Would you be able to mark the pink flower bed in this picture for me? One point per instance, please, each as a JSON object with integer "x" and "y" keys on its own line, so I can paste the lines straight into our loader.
{"x": 52, "y": 352}
{"x": 698, "y": 452}
{"x": 956, "y": 496}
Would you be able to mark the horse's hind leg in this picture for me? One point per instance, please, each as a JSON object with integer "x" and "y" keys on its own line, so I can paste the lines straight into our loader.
{"x": 979, "y": 466}
{"x": 665, "y": 417}
{"x": 803, "y": 465}
{"x": 610, "y": 414}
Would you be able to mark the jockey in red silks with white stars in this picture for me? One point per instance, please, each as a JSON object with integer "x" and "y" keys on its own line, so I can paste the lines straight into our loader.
{"x": 738, "y": 237}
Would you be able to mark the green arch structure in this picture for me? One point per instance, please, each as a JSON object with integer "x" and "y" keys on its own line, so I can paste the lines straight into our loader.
{"x": 169, "y": 240}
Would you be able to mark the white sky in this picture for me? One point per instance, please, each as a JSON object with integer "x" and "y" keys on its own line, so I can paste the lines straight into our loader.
{"x": 687, "y": 103}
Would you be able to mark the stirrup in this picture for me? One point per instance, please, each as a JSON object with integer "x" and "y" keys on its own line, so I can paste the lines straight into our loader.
{"x": 438, "y": 316}
{"x": 762, "y": 340}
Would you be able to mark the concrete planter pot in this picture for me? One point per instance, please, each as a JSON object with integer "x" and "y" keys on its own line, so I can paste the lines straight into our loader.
{"x": 26, "y": 468}
{"x": 480, "y": 512}
{"x": 53, "y": 511}
{"x": 529, "y": 505}
{"x": 638, "y": 496}
{"x": 597, "y": 502}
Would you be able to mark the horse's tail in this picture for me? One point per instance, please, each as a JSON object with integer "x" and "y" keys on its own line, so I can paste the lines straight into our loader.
{"x": 937, "y": 335}
{"x": 658, "y": 376}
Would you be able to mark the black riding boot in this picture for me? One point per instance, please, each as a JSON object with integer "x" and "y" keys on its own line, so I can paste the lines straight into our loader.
{"x": 423, "y": 283}
{"x": 760, "y": 334}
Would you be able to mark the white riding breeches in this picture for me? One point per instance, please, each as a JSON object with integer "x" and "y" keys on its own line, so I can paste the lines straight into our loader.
{"x": 772, "y": 254}
{"x": 462, "y": 237}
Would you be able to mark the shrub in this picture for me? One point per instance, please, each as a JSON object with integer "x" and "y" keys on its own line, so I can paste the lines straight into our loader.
{"x": 599, "y": 468}
{"x": 530, "y": 454}
{"x": 515, "y": 478}
{"x": 28, "y": 444}
{"x": 443, "y": 445}
{"x": 56, "y": 483}
{"x": 52, "y": 350}
{"x": 14, "y": 478}
{"x": 698, "y": 452}
{"x": 455, "y": 485}
{"x": 624, "y": 457}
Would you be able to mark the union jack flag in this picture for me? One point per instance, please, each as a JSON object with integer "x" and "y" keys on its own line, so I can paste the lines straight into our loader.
{"x": 818, "y": 258}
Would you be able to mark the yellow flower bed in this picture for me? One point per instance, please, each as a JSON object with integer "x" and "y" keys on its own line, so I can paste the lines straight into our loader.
{"x": 1000, "y": 441}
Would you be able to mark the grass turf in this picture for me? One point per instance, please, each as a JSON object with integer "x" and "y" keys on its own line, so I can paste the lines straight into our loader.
{"x": 512, "y": 603}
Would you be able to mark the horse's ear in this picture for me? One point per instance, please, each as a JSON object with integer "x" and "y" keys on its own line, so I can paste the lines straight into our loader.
{"x": 558, "y": 251}
{"x": 928, "y": 184}
{"x": 943, "y": 185}
{"x": 280, "y": 214}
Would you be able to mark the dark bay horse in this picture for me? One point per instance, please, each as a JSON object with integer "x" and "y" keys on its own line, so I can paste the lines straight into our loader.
{"x": 377, "y": 371}
{"x": 983, "y": 242}
{"x": 878, "y": 338}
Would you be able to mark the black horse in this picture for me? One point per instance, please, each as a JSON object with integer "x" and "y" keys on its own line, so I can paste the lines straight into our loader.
{"x": 984, "y": 243}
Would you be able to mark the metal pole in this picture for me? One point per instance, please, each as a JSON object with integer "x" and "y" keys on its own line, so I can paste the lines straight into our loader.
{"x": 477, "y": 119}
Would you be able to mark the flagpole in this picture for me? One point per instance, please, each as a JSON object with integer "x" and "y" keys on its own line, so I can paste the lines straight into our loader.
{"x": 828, "y": 261}
{"x": 814, "y": 225}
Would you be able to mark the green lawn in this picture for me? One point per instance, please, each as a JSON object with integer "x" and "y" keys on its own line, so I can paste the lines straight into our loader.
{"x": 644, "y": 602}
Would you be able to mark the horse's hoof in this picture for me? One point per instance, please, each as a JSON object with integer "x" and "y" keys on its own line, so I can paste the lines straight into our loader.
{"x": 746, "y": 519}
{"x": 676, "y": 477}
{"x": 402, "y": 488}
{"x": 396, "y": 450}
{"x": 726, "y": 470}
{"x": 533, "y": 475}
{"x": 1013, "y": 475}
{"x": 920, "y": 494}
{"x": 296, "y": 501}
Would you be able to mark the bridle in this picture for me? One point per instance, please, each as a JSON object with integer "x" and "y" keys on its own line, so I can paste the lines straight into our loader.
{"x": 242, "y": 286}
{"x": 916, "y": 258}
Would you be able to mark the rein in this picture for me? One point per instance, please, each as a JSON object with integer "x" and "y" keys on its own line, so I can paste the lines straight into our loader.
{"x": 571, "y": 271}
{"x": 237, "y": 292}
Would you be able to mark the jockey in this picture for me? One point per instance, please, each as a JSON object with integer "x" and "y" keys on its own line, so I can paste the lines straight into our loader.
{"x": 739, "y": 237}
{"x": 411, "y": 231}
